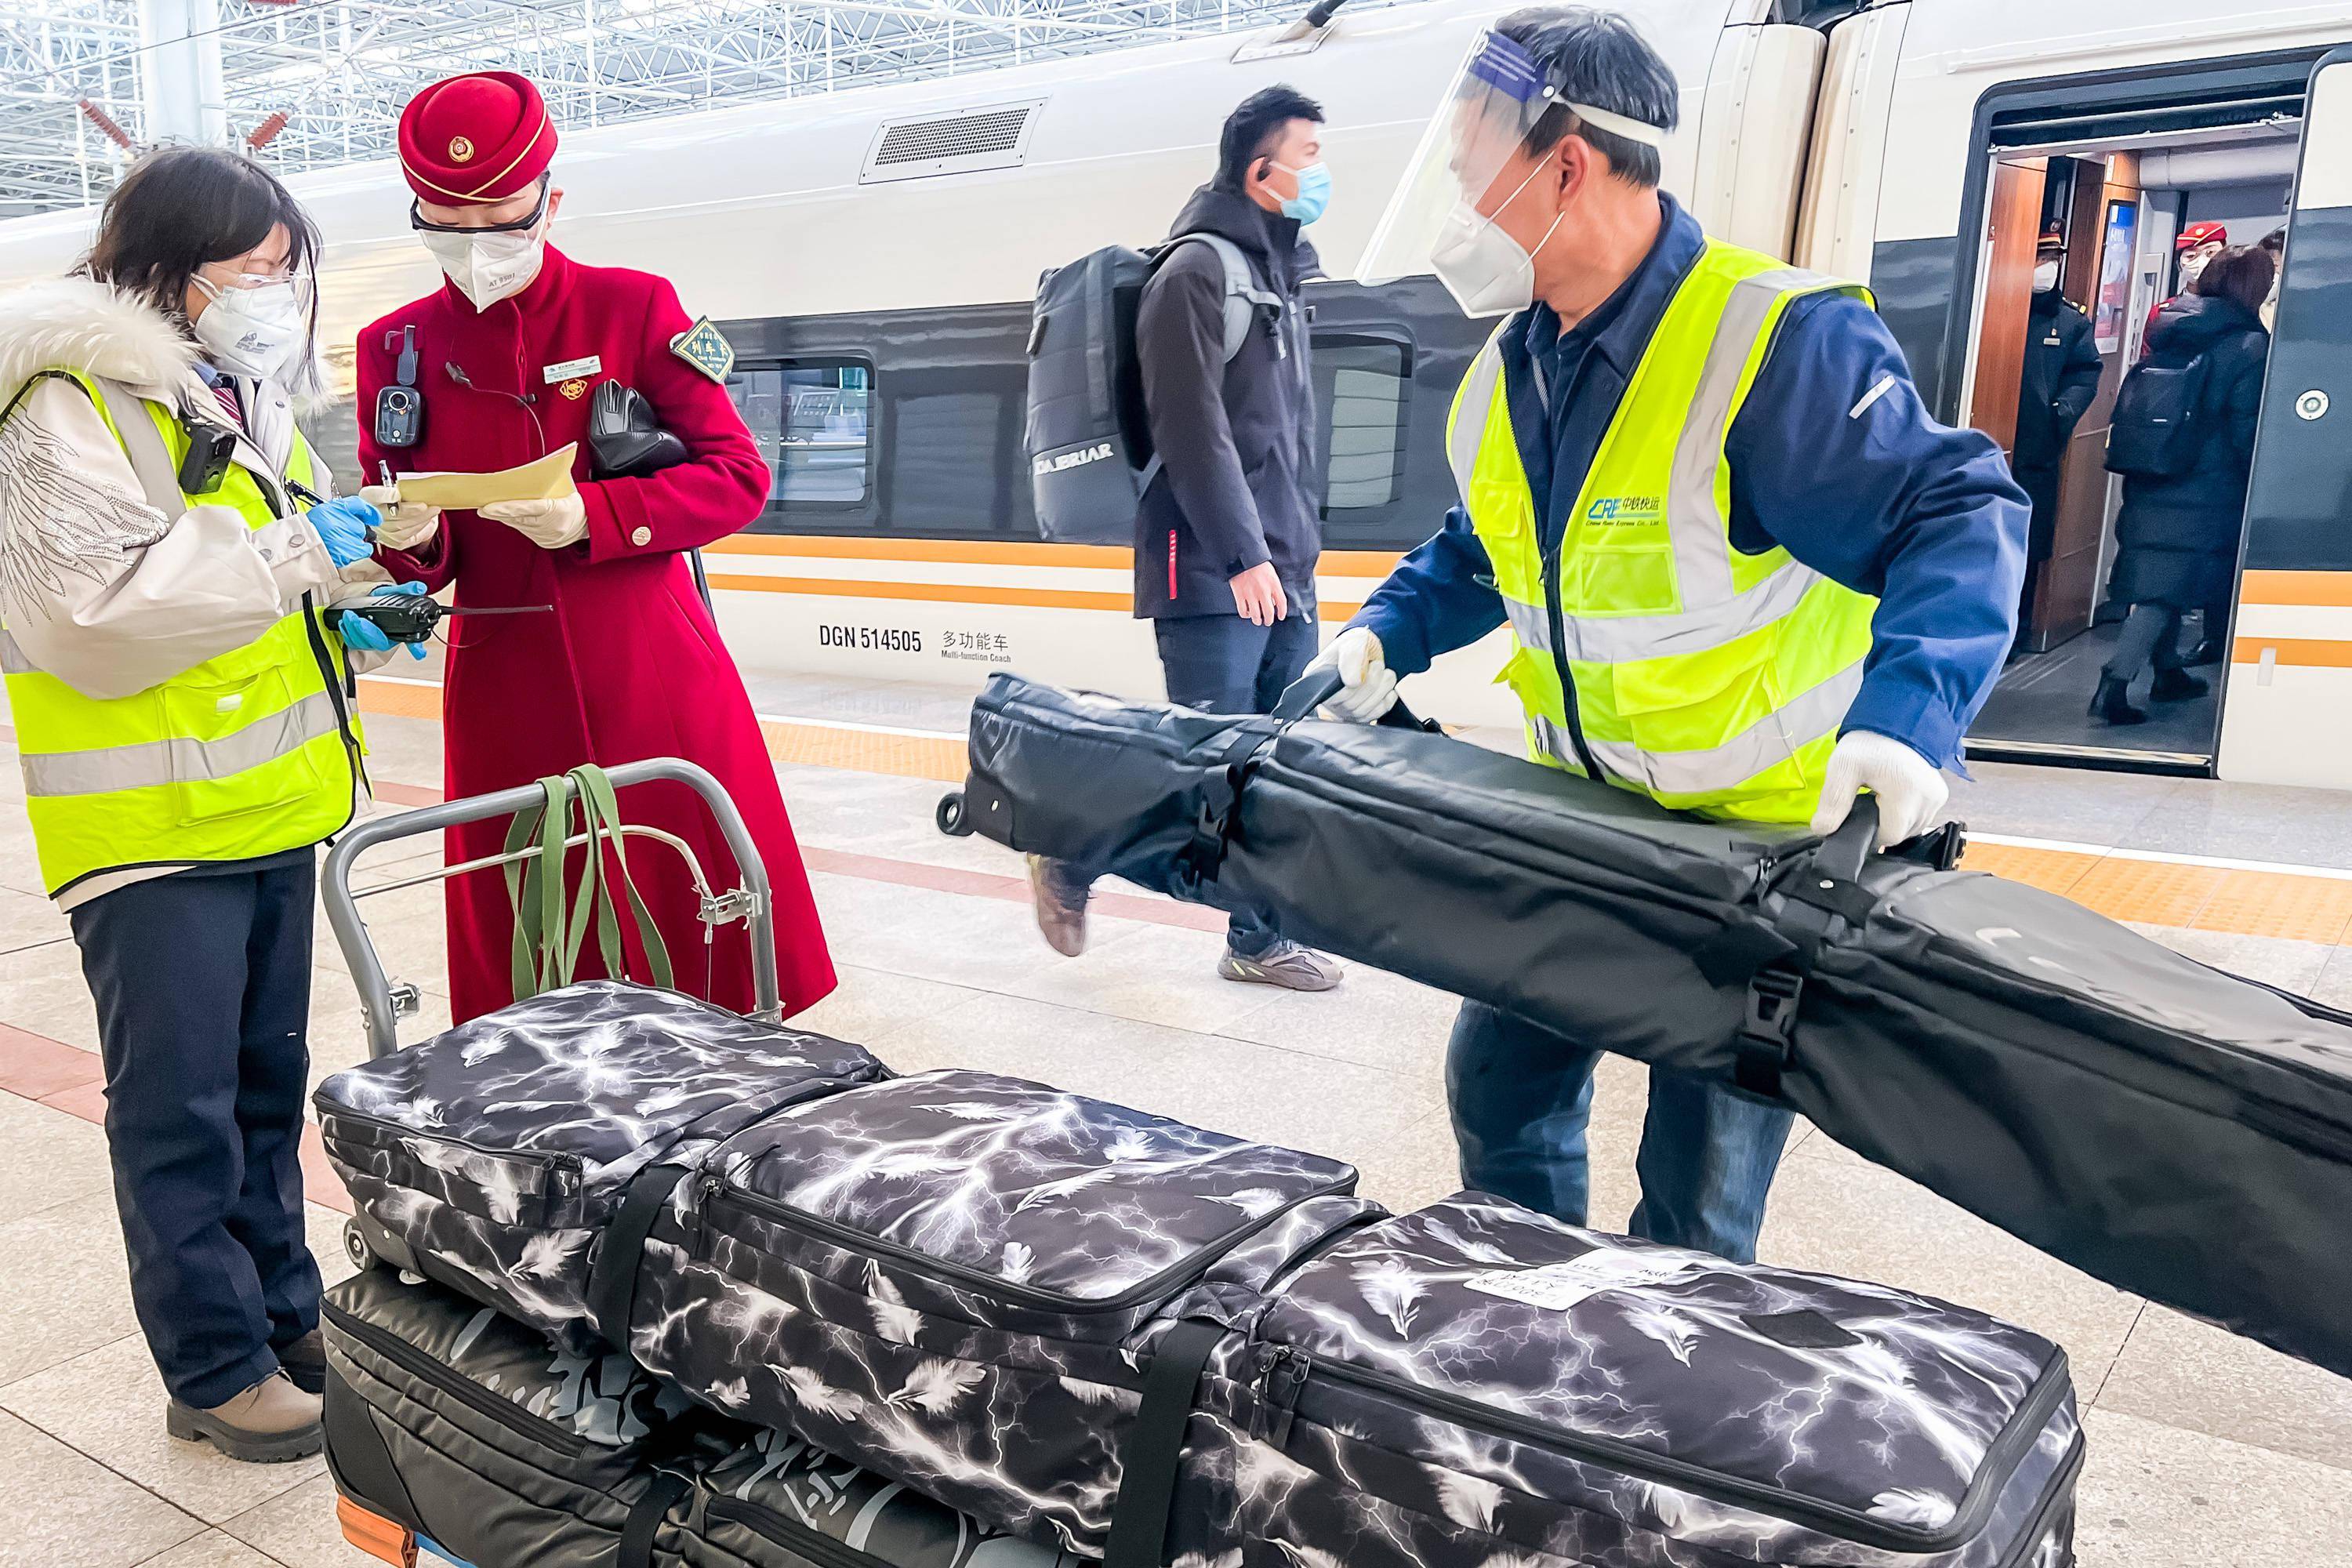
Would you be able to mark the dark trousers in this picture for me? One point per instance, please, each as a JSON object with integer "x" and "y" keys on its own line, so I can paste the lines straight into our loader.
{"x": 202, "y": 985}
{"x": 2151, "y": 636}
{"x": 1522, "y": 1099}
{"x": 1223, "y": 663}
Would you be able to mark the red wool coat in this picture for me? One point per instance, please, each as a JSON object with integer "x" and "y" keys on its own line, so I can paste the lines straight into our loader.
{"x": 628, "y": 664}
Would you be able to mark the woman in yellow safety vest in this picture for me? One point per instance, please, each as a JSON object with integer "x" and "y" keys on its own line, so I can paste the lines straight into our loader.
{"x": 180, "y": 692}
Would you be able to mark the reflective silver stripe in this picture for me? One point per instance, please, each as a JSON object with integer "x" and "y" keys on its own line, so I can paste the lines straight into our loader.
{"x": 1700, "y": 533}
{"x": 1554, "y": 741}
{"x": 1804, "y": 718}
{"x": 1531, "y": 623}
{"x": 1616, "y": 640}
{"x": 12, "y": 657}
{"x": 1472, "y": 408}
{"x": 176, "y": 761}
{"x": 142, "y": 443}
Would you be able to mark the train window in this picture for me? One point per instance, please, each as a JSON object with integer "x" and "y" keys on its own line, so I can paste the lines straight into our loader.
{"x": 1364, "y": 382}
{"x": 810, "y": 420}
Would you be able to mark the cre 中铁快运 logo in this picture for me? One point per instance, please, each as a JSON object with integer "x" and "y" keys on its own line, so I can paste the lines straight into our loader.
{"x": 1626, "y": 510}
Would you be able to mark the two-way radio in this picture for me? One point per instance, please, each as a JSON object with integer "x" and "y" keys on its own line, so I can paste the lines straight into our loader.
{"x": 410, "y": 618}
{"x": 400, "y": 407}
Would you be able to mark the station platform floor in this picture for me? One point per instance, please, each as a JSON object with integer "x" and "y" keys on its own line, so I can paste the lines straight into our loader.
{"x": 2207, "y": 1451}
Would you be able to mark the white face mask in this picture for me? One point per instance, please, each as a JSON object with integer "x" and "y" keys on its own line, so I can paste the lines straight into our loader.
{"x": 253, "y": 332}
{"x": 2190, "y": 266}
{"x": 491, "y": 267}
{"x": 2046, "y": 277}
{"x": 1487, "y": 272}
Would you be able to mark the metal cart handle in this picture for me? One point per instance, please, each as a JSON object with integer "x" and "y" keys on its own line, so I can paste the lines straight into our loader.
{"x": 359, "y": 949}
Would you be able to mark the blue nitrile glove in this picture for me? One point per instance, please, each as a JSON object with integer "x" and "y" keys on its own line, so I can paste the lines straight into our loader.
{"x": 343, "y": 524}
{"x": 358, "y": 632}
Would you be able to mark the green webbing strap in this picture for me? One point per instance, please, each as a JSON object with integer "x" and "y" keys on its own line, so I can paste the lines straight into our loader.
{"x": 548, "y": 938}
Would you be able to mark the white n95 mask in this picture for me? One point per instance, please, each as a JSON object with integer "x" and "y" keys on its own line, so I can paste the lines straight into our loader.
{"x": 489, "y": 266}
{"x": 253, "y": 332}
{"x": 2046, "y": 277}
{"x": 1487, "y": 272}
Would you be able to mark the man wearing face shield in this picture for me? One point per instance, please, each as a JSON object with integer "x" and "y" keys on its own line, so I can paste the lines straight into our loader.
{"x": 1747, "y": 573}
{"x": 627, "y": 663}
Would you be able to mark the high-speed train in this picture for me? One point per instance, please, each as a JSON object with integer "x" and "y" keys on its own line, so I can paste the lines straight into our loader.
{"x": 872, "y": 254}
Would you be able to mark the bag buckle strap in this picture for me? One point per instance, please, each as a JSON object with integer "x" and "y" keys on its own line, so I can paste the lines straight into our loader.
{"x": 1768, "y": 1033}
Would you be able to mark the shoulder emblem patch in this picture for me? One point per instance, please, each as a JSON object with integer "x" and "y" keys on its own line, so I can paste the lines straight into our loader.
{"x": 705, "y": 348}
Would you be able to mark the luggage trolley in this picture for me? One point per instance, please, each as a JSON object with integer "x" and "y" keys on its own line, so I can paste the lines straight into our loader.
{"x": 385, "y": 1001}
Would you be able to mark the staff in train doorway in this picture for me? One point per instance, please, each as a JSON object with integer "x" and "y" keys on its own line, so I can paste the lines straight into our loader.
{"x": 497, "y": 367}
{"x": 2060, "y": 378}
{"x": 2193, "y": 250}
{"x": 177, "y": 686}
{"x": 1231, "y": 525}
{"x": 1746, "y": 572}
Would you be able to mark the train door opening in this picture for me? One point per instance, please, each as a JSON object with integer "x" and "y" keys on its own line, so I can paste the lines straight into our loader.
{"x": 2094, "y": 218}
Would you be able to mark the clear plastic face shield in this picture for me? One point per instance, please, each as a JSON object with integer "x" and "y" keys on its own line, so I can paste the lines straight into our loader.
{"x": 1472, "y": 161}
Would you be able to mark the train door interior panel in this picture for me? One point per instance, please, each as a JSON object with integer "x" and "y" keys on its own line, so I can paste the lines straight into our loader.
{"x": 2117, "y": 167}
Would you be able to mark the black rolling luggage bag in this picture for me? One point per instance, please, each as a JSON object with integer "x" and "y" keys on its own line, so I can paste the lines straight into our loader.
{"x": 493, "y": 1155}
{"x": 955, "y": 1279}
{"x": 777, "y": 1502}
{"x": 454, "y": 1429}
{"x": 1475, "y": 1384}
{"x": 455, "y": 1424}
{"x": 2177, "y": 1132}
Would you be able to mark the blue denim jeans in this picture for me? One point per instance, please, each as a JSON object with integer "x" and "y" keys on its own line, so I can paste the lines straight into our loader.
{"x": 1522, "y": 1097}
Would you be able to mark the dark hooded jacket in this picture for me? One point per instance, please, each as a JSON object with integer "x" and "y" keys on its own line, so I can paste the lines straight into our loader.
{"x": 1239, "y": 483}
{"x": 2180, "y": 534}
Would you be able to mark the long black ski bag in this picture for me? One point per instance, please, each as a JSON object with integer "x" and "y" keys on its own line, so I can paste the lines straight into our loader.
{"x": 1474, "y": 1384}
{"x": 2177, "y": 1132}
{"x": 494, "y": 1155}
{"x": 956, "y": 1279}
{"x": 458, "y": 1426}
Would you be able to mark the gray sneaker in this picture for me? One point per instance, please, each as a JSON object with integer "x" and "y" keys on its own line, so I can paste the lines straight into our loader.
{"x": 1061, "y": 907}
{"x": 268, "y": 1424}
{"x": 1286, "y": 964}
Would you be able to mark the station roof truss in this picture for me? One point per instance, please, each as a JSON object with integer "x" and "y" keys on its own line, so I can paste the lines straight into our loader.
{"x": 75, "y": 75}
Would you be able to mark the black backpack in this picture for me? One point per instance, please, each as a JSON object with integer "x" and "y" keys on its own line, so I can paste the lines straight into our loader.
{"x": 1089, "y": 449}
{"x": 2155, "y": 433}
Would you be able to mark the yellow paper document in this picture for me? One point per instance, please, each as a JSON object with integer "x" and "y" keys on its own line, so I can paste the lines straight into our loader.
{"x": 550, "y": 478}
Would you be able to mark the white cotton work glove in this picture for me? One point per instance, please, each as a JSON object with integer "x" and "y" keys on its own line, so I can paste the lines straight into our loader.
{"x": 1371, "y": 687}
{"x": 550, "y": 524}
{"x": 406, "y": 525}
{"x": 1911, "y": 791}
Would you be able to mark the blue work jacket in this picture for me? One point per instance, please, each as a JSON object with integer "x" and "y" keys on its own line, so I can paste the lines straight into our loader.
{"x": 1834, "y": 457}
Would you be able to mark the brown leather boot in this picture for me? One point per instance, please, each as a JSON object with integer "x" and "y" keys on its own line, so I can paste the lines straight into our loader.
{"x": 268, "y": 1424}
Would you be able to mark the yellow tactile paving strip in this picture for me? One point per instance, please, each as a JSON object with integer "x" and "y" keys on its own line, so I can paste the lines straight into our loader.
{"x": 2285, "y": 904}
{"x": 2291, "y": 905}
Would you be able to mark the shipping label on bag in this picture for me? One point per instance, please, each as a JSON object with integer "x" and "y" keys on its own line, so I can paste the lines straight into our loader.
{"x": 1558, "y": 1286}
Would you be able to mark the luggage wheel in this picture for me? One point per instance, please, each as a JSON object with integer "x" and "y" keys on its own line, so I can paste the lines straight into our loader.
{"x": 951, "y": 816}
{"x": 356, "y": 1248}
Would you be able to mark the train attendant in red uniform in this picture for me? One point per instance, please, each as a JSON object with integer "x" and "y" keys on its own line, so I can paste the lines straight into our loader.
{"x": 501, "y": 366}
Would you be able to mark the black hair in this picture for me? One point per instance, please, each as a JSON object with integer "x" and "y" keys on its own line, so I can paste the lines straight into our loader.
{"x": 2242, "y": 272}
{"x": 1598, "y": 58}
{"x": 1250, "y": 128}
{"x": 180, "y": 207}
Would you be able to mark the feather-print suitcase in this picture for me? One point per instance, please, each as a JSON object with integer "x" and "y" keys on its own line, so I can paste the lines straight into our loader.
{"x": 498, "y": 1151}
{"x": 1474, "y": 1384}
{"x": 954, "y": 1278}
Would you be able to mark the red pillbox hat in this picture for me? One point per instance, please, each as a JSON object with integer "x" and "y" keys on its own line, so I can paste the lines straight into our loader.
{"x": 474, "y": 140}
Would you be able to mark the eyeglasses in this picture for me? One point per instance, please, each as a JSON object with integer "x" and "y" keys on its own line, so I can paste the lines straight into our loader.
{"x": 283, "y": 277}
{"x": 417, "y": 220}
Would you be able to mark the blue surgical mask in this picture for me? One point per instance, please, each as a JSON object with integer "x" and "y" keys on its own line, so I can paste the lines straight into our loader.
{"x": 1314, "y": 193}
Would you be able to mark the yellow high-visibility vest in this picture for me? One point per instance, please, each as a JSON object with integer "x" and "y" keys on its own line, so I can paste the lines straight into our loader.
{"x": 248, "y": 753}
{"x": 1709, "y": 678}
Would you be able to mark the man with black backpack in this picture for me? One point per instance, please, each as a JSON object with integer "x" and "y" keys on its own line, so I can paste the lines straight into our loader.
{"x": 1230, "y": 524}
